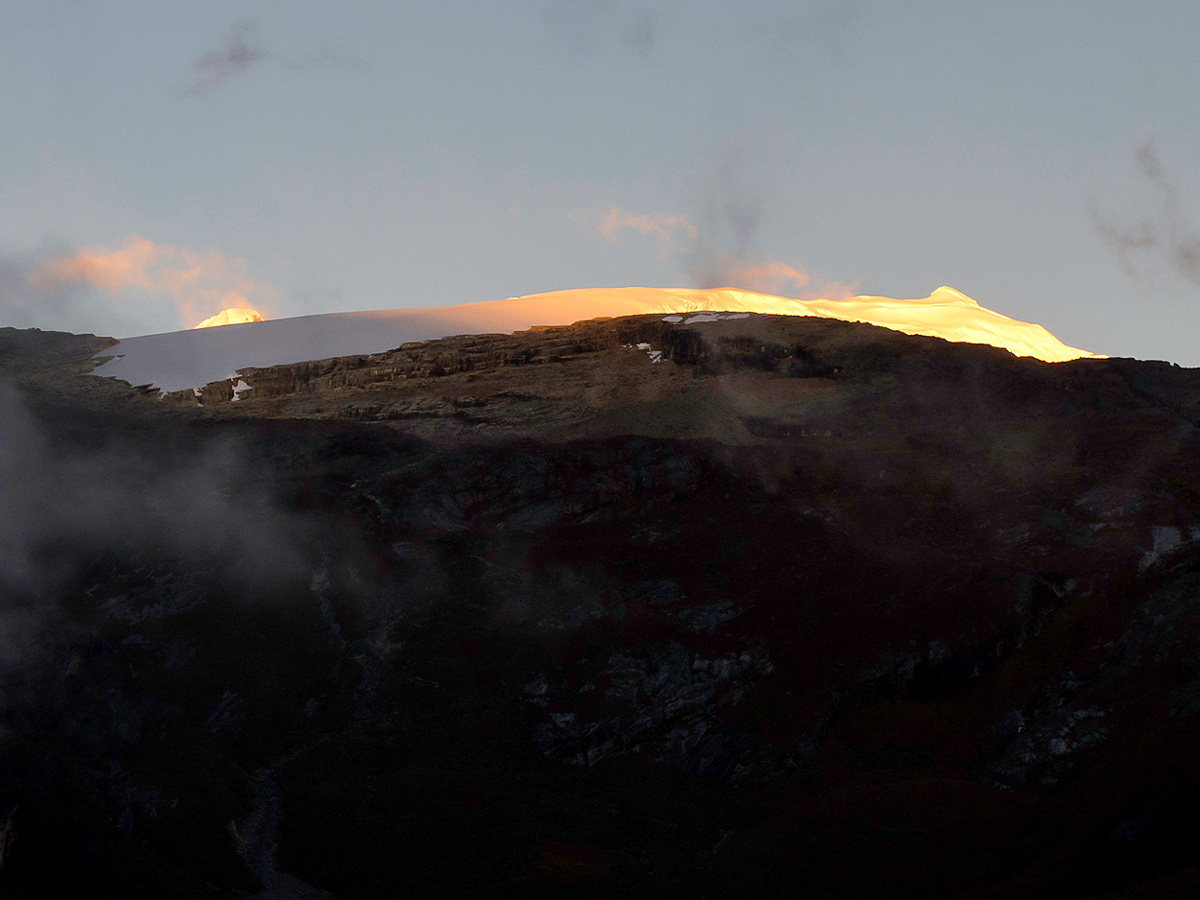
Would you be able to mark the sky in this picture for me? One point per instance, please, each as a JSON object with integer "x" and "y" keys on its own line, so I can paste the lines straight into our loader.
{"x": 162, "y": 161}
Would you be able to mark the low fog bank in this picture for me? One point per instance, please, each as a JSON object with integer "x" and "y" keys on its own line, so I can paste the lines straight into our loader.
{"x": 72, "y": 496}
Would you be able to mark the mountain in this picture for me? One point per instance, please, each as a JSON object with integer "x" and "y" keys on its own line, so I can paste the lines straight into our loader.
{"x": 739, "y": 606}
{"x": 192, "y": 359}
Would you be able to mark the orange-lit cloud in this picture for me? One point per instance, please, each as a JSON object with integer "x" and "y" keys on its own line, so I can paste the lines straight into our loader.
{"x": 767, "y": 277}
{"x": 833, "y": 290}
{"x": 110, "y": 270}
{"x": 199, "y": 282}
{"x": 663, "y": 227}
{"x": 678, "y": 236}
{"x": 707, "y": 268}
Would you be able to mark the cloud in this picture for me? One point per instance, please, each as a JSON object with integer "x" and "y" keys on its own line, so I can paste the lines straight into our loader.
{"x": 109, "y": 270}
{"x": 731, "y": 199}
{"x": 22, "y": 305}
{"x": 584, "y": 26}
{"x": 665, "y": 228}
{"x": 236, "y": 58}
{"x": 241, "y": 53}
{"x": 767, "y": 277}
{"x": 833, "y": 290}
{"x": 679, "y": 238}
{"x": 199, "y": 283}
{"x": 756, "y": 273}
{"x": 717, "y": 249}
{"x": 1165, "y": 238}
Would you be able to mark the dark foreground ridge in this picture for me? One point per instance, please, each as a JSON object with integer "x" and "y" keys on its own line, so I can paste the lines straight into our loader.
{"x": 762, "y": 607}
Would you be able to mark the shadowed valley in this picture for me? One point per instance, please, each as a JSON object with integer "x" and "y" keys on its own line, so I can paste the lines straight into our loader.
{"x": 732, "y": 607}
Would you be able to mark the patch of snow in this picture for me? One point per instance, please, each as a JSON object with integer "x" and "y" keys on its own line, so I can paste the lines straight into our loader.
{"x": 673, "y": 319}
{"x": 708, "y": 316}
{"x": 240, "y": 388}
{"x": 655, "y": 355}
{"x": 713, "y": 317}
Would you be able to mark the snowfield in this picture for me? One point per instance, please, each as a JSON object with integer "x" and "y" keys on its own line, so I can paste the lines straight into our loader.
{"x": 193, "y": 358}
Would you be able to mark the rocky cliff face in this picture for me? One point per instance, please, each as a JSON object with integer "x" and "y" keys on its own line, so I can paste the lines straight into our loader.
{"x": 633, "y": 607}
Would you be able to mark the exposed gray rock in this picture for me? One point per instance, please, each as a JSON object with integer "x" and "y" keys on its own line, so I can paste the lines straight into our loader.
{"x": 1041, "y": 749}
{"x": 706, "y": 618}
{"x": 541, "y": 688}
{"x": 1165, "y": 539}
{"x": 162, "y": 593}
{"x": 664, "y": 700}
{"x": 226, "y": 716}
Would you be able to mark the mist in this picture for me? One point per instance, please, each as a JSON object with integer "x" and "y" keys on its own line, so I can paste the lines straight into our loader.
{"x": 72, "y": 497}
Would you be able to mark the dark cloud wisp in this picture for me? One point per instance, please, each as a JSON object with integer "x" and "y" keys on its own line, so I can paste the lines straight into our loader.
{"x": 1165, "y": 238}
{"x": 242, "y": 52}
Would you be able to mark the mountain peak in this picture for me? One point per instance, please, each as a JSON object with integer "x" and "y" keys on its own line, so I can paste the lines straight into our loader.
{"x": 235, "y": 315}
{"x": 950, "y": 295}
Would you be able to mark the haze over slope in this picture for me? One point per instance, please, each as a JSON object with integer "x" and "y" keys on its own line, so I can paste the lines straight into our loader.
{"x": 186, "y": 359}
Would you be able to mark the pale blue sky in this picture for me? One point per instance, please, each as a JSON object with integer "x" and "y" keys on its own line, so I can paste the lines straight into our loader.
{"x": 1041, "y": 157}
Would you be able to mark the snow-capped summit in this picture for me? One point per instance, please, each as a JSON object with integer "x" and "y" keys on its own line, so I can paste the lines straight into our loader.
{"x": 186, "y": 359}
{"x": 235, "y": 315}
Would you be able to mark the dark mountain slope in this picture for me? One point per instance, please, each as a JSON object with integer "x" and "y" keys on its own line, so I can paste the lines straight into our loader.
{"x": 805, "y": 606}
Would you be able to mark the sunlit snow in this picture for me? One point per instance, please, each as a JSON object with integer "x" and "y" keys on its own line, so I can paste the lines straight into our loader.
{"x": 186, "y": 359}
{"x": 235, "y": 315}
